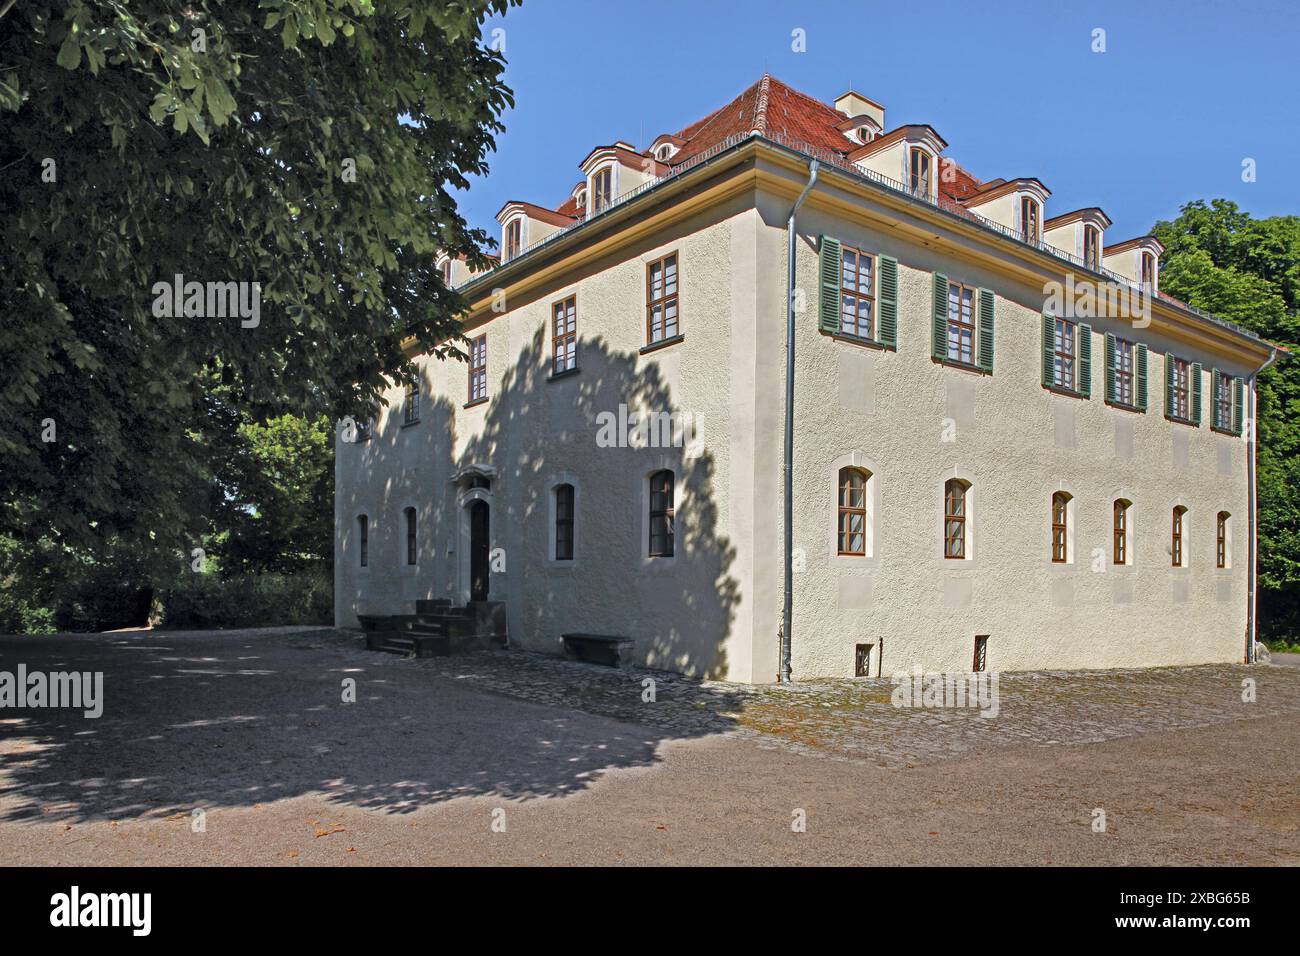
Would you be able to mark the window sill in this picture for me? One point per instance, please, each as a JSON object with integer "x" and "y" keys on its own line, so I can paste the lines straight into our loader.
{"x": 1230, "y": 432}
{"x": 1182, "y": 421}
{"x": 848, "y": 339}
{"x": 1067, "y": 392}
{"x": 555, "y": 376}
{"x": 410, "y": 423}
{"x": 961, "y": 366}
{"x": 661, "y": 344}
{"x": 477, "y": 401}
{"x": 1125, "y": 407}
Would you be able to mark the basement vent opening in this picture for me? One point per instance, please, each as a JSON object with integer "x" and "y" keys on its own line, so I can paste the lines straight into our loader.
{"x": 981, "y": 653}
{"x": 862, "y": 660}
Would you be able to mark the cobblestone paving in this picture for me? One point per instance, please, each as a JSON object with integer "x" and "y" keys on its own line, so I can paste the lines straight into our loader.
{"x": 856, "y": 719}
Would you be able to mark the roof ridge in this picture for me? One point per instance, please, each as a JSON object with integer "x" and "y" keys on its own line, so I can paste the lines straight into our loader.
{"x": 760, "y": 108}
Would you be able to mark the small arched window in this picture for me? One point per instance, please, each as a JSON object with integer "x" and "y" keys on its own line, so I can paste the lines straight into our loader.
{"x": 1119, "y": 553}
{"x": 564, "y": 522}
{"x": 661, "y": 514}
{"x": 363, "y": 539}
{"x": 1060, "y": 528}
{"x": 412, "y": 549}
{"x": 1223, "y": 541}
{"x": 514, "y": 237}
{"x": 954, "y": 518}
{"x": 919, "y": 172}
{"x": 1148, "y": 270}
{"x": 602, "y": 189}
{"x": 1030, "y": 219}
{"x": 1092, "y": 247}
{"x": 853, "y": 512}
{"x": 1176, "y": 552}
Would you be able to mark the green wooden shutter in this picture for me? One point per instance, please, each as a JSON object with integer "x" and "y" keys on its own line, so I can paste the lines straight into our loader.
{"x": 1169, "y": 384}
{"x": 830, "y": 277}
{"x": 1238, "y": 404}
{"x": 1110, "y": 367}
{"x": 1049, "y": 350}
{"x": 887, "y": 327}
{"x": 1196, "y": 393}
{"x": 985, "y": 357}
{"x": 1142, "y": 377}
{"x": 939, "y": 331}
{"x": 1085, "y": 360}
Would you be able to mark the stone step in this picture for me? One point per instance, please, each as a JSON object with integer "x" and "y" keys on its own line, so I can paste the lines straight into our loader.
{"x": 431, "y": 605}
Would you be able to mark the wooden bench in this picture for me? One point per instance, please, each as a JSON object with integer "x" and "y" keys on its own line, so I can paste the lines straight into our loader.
{"x": 609, "y": 649}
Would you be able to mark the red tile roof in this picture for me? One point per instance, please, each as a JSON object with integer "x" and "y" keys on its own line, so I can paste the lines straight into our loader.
{"x": 768, "y": 106}
{"x": 776, "y": 109}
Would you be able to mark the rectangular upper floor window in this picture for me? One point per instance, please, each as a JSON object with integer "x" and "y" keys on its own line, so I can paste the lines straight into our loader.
{"x": 1065, "y": 355}
{"x": 564, "y": 335}
{"x": 1180, "y": 388}
{"x": 411, "y": 404}
{"x": 478, "y": 368}
{"x": 661, "y": 300}
{"x": 961, "y": 323}
{"x": 1124, "y": 380}
{"x": 1223, "y": 404}
{"x": 857, "y": 299}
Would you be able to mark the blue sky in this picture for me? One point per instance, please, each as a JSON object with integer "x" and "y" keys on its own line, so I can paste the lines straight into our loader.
{"x": 1184, "y": 92}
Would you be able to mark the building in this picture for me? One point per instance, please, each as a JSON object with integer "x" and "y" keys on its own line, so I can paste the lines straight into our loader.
{"x": 1010, "y": 450}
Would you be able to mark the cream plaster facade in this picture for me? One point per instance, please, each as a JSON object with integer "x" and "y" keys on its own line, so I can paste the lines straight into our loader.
{"x": 912, "y": 422}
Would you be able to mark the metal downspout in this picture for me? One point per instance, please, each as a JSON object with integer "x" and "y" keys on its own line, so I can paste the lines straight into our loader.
{"x": 784, "y": 674}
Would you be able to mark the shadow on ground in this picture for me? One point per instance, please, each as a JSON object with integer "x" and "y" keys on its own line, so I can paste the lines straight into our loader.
{"x": 211, "y": 719}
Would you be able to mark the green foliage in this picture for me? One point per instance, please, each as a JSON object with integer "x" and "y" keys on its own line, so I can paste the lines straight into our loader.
{"x": 276, "y": 507}
{"x": 251, "y": 600}
{"x": 1248, "y": 271}
{"x": 18, "y": 616}
{"x": 223, "y": 160}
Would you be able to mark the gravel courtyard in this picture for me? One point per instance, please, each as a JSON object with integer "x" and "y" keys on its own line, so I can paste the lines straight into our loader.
{"x": 238, "y": 747}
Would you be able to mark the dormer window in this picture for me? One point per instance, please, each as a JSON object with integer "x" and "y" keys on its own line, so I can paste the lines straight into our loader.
{"x": 1031, "y": 224}
{"x": 919, "y": 171}
{"x": 445, "y": 269}
{"x": 602, "y": 189}
{"x": 664, "y": 153}
{"x": 514, "y": 237}
{"x": 1092, "y": 247}
{"x": 1148, "y": 271}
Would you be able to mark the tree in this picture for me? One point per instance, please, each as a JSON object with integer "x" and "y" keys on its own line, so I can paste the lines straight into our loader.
{"x": 306, "y": 146}
{"x": 276, "y": 511}
{"x": 1247, "y": 270}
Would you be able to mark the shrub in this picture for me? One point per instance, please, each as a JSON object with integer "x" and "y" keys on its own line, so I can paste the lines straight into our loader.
{"x": 249, "y": 600}
{"x": 17, "y": 616}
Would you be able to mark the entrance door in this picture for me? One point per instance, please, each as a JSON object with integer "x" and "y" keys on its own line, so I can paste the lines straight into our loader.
{"x": 478, "y": 551}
